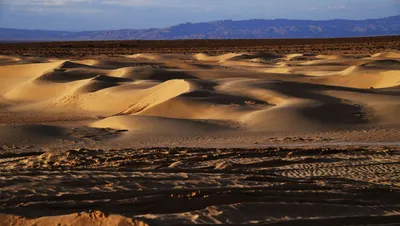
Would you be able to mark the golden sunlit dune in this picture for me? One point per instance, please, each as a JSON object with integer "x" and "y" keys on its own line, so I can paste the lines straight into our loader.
{"x": 248, "y": 92}
{"x": 78, "y": 139}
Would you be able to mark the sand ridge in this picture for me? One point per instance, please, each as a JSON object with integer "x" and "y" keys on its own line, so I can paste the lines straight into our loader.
{"x": 253, "y": 95}
{"x": 269, "y": 139}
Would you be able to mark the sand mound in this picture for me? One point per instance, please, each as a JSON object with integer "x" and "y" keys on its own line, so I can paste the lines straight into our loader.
{"x": 159, "y": 94}
{"x": 388, "y": 79}
{"x": 111, "y": 79}
{"x": 304, "y": 105}
{"x": 343, "y": 57}
{"x": 208, "y": 105}
{"x": 13, "y": 76}
{"x": 100, "y": 82}
{"x": 393, "y": 55}
{"x": 153, "y": 74}
{"x": 159, "y": 57}
{"x": 124, "y": 100}
{"x": 95, "y": 218}
{"x": 64, "y": 88}
{"x": 186, "y": 108}
{"x": 67, "y": 76}
{"x": 223, "y": 57}
{"x": 89, "y": 62}
{"x": 300, "y": 56}
{"x": 156, "y": 124}
{"x": 67, "y": 131}
{"x": 366, "y": 76}
{"x": 70, "y": 64}
{"x": 292, "y": 56}
{"x": 257, "y": 56}
{"x": 145, "y": 56}
{"x": 228, "y": 92}
{"x": 383, "y": 64}
{"x": 351, "y": 70}
{"x": 39, "y": 90}
{"x": 329, "y": 61}
{"x": 27, "y": 70}
{"x": 292, "y": 112}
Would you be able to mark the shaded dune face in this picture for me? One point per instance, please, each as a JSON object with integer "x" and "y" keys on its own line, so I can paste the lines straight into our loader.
{"x": 383, "y": 64}
{"x": 69, "y": 129}
{"x": 203, "y": 93}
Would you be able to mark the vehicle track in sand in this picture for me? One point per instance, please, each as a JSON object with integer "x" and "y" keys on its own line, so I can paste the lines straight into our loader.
{"x": 174, "y": 186}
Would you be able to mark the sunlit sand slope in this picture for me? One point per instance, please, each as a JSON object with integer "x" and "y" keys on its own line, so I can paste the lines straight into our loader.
{"x": 68, "y": 129}
{"x": 235, "y": 91}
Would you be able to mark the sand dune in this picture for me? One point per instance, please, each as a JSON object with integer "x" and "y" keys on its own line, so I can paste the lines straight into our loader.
{"x": 124, "y": 101}
{"x": 155, "y": 124}
{"x": 383, "y": 64}
{"x": 218, "y": 58}
{"x": 51, "y": 108}
{"x": 263, "y": 89}
{"x": 389, "y": 54}
{"x": 364, "y": 78}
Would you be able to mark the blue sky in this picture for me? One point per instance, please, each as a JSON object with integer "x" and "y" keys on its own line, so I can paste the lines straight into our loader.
{"x": 118, "y": 14}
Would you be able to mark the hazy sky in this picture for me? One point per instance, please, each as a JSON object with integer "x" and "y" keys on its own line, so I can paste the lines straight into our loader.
{"x": 118, "y": 14}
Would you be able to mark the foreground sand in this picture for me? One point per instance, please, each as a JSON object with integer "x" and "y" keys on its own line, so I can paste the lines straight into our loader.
{"x": 180, "y": 186}
{"x": 51, "y": 108}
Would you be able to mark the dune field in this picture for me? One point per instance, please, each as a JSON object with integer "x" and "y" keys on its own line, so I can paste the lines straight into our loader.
{"x": 270, "y": 138}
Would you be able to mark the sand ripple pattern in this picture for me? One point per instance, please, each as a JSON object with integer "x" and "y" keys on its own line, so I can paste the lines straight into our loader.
{"x": 180, "y": 186}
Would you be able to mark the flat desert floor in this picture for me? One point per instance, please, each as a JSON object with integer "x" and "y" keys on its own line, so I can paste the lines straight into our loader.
{"x": 269, "y": 139}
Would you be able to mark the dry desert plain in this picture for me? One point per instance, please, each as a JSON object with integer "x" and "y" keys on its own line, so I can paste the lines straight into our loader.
{"x": 263, "y": 132}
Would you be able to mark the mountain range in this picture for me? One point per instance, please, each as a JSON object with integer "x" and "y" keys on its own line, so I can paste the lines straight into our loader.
{"x": 225, "y": 29}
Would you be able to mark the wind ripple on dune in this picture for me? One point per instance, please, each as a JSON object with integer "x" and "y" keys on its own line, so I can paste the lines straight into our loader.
{"x": 271, "y": 94}
{"x": 49, "y": 111}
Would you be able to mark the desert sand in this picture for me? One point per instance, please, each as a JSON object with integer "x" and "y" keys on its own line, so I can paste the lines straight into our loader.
{"x": 270, "y": 138}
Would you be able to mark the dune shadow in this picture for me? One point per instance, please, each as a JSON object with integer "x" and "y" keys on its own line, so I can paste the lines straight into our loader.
{"x": 158, "y": 74}
{"x": 332, "y": 110}
{"x": 382, "y": 64}
{"x": 222, "y": 98}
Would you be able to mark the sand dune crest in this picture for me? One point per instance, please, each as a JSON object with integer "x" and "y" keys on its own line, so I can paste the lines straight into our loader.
{"x": 77, "y": 135}
{"x": 244, "y": 91}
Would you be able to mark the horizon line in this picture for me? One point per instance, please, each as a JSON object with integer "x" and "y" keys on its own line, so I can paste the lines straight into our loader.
{"x": 213, "y": 21}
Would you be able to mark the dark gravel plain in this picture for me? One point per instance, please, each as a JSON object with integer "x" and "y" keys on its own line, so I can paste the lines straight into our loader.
{"x": 364, "y": 45}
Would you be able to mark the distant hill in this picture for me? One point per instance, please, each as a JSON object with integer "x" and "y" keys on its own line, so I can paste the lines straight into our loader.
{"x": 226, "y": 29}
